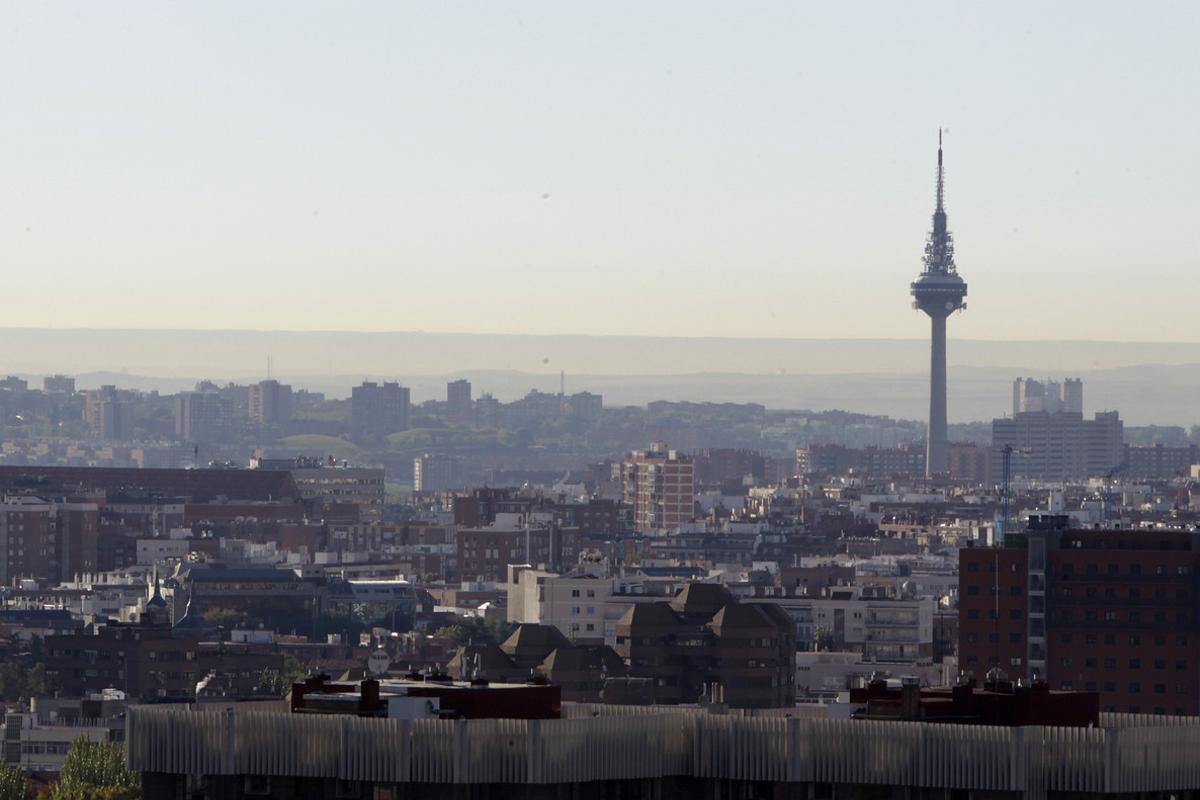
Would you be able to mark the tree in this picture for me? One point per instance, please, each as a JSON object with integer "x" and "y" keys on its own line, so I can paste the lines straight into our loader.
{"x": 13, "y": 785}
{"x": 96, "y": 771}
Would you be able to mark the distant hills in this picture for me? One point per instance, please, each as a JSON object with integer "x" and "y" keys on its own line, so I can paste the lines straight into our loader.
{"x": 1147, "y": 382}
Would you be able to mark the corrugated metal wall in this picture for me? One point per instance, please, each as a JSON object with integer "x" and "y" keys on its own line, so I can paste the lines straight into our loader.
{"x": 1134, "y": 754}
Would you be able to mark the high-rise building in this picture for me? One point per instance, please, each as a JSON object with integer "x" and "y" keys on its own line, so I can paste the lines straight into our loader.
{"x": 458, "y": 400}
{"x": 270, "y": 402}
{"x": 202, "y": 417}
{"x": 1030, "y": 395}
{"x": 659, "y": 484}
{"x": 378, "y": 410}
{"x": 58, "y": 384}
{"x": 46, "y": 539}
{"x": 108, "y": 414}
{"x": 939, "y": 292}
{"x": 435, "y": 472}
{"x": 1102, "y": 611}
{"x": 1056, "y": 447}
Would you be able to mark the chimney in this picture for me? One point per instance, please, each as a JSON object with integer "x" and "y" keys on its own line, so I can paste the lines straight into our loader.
{"x": 910, "y": 698}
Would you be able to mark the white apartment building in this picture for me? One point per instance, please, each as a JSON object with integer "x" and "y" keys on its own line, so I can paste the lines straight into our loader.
{"x": 577, "y": 602}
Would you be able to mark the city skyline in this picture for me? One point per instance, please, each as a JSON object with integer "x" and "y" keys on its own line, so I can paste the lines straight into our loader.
{"x": 230, "y": 174}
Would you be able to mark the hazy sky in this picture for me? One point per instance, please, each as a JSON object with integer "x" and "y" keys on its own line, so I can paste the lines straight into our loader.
{"x": 638, "y": 168}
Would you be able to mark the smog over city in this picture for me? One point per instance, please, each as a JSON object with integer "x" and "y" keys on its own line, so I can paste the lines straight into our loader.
{"x": 525, "y": 399}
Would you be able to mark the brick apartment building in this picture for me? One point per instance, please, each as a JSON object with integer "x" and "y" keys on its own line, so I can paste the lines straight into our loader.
{"x": 485, "y": 553}
{"x": 705, "y": 638}
{"x": 1107, "y": 611}
{"x": 659, "y": 484}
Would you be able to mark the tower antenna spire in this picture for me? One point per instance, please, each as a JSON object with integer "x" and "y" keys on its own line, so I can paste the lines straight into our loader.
{"x": 941, "y": 174}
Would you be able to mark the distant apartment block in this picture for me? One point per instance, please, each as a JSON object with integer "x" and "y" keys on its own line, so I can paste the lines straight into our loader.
{"x": 485, "y": 553}
{"x": 108, "y": 414}
{"x": 270, "y": 402}
{"x": 458, "y": 400}
{"x": 378, "y": 409}
{"x": 877, "y": 462}
{"x": 435, "y": 472}
{"x": 203, "y": 417}
{"x": 58, "y": 384}
{"x": 969, "y": 463}
{"x": 659, "y": 484}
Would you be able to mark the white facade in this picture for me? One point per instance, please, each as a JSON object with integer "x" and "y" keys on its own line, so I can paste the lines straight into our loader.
{"x": 576, "y": 603}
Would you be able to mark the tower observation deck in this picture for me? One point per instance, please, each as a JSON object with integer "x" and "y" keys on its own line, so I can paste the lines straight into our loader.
{"x": 939, "y": 292}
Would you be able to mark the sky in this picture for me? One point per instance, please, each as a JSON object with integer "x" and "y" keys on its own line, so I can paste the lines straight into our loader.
{"x": 668, "y": 168}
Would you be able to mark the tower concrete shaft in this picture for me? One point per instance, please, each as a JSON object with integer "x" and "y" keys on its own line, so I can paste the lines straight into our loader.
{"x": 938, "y": 437}
{"x": 939, "y": 292}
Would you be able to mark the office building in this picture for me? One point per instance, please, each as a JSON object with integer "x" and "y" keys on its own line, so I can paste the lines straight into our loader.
{"x": 1102, "y": 611}
{"x": 377, "y": 410}
{"x": 659, "y": 484}
{"x": 1058, "y": 446}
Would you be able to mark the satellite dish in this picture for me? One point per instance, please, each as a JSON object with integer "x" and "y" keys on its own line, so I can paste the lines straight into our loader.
{"x": 379, "y": 662}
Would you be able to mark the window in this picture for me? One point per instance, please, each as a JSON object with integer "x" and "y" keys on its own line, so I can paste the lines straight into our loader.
{"x": 973, "y": 566}
{"x": 1109, "y": 686}
{"x": 1090, "y": 638}
{"x": 1134, "y": 688}
{"x": 1160, "y": 688}
{"x": 1135, "y": 640}
{"x": 972, "y": 638}
{"x": 1160, "y": 663}
{"x": 1066, "y": 638}
{"x": 1090, "y": 663}
{"x": 1160, "y": 641}
{"x": 1181, "y": 664}
{"x": 574, "y": 593}
{"x": 1014, "y": 638}
{"x": 1135, "y": 663}
{"x": 1015, "y": 613}
{"x": 972, "y": 590}
{"x": 972, "y": 613}
{"x": 1112, "y": 569}
{"x": 1110, "y": 663}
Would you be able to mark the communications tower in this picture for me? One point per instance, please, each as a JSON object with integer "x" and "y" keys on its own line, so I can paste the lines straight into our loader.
{"x": 939, "y": 292}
